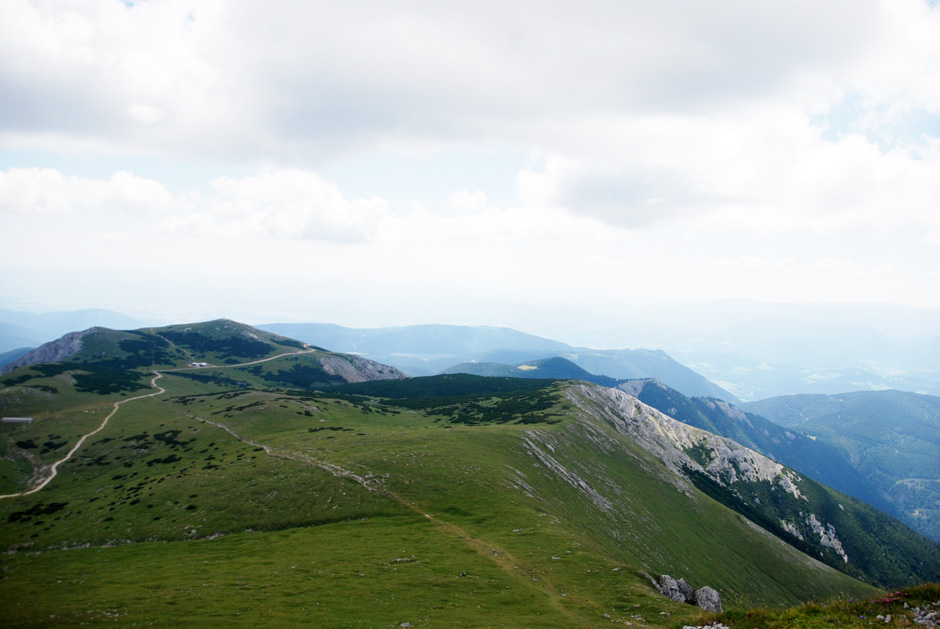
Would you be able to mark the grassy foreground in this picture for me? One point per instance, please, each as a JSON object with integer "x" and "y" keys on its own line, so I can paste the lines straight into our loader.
{"x": 896, "y": 609}
{"x": 219, "y": 506}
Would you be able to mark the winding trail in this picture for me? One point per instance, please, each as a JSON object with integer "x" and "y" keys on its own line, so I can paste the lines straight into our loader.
{"x": 518, "y": 570}
{"x": 512, "y": 566}
{"x": 119, "y": 403}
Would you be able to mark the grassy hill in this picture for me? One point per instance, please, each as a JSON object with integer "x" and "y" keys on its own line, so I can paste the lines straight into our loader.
{"x": 452, "y": 500}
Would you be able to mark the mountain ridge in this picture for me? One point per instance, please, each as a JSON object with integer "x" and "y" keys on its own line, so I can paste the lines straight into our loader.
{"x": 548, "y": 498}
{"x": 397, "y": 347}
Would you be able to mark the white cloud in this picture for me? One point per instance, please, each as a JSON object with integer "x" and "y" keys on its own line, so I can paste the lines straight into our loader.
{"x": 466, "y": 201}
{"x": 296, "y": 79}
{"x": 48, "y": 191}
{"x": 295, "y": 204}
{"x": 274, "y": 203}
{"x": 145, "y": 114}
{"x": 116, "y": 236}
{"x": 659, "y": 134}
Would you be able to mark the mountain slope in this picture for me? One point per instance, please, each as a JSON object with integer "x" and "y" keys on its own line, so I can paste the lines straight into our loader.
{"x": 816, "y": 459}
{"x": 790, "y": 505}
{"x": 110, "y": 361}
{"x": 892, "y": 437}
{"x": 572, "y": 512}
{"x": 13, "y": 354}
{"x": 446, "y": 500}
{"x": 450, "y": 500}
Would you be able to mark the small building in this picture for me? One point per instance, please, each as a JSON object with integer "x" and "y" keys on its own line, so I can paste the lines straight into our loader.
{"x": 198, "y": 364}
{"x": 17, "y": 420}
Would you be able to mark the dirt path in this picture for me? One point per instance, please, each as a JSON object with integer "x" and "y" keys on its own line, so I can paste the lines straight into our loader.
{"x": 506, "y": 562}
{"x": 118, "y": 404}
{"x": 527, "y": 576}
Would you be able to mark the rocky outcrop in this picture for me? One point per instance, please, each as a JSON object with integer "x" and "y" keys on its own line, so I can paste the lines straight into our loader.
{"x": 671, "y": 440}
{"x": 729, "y": 411}
{"x": 359, "y": 369}
{"x": 827, "y": 536}
{"x": 51, "y": 352}
{"x": 708, "y": 599}
{"x": 678, "y": 590}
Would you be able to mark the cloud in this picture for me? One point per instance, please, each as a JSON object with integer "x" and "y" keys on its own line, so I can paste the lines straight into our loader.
{"x": 304, "y": 81}
{"x": 655, "y": 130}
{"x": 145, "y": 114}
{"x": 759, "y": 174}
{"x": 48, "y": 191}
{"x": 283, "y": 203}
{"x": 287, "y": 203}
{"x": 466, "y": 201}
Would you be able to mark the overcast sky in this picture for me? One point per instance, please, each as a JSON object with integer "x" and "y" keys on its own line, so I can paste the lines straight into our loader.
{"x": 383, "y": 163}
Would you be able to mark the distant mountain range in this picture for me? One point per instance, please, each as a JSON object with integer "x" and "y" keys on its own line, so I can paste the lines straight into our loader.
{"x": 27, "y": 330}
{"x": 761, "y": 358}
{"x": 455, "y": 498}
{"x": 774, "y": 356}
{"x": 430, "y": 349}
{"x": 543, "y": 368}
{"x": 749, "y": 351}
{"x": 891, "y": 437}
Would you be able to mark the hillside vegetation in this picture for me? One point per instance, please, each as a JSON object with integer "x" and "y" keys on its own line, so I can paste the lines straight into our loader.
{"x": 243, "y": 497}
{"x": 892, "y": 438}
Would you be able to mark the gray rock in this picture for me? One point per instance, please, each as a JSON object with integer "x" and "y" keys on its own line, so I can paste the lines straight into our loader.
{"x": 679, "y": 591}
{"x": 669, "y": 588}
{"x": 359, "y": 369}
{"x": 51, "y": 352}
{"x": 707, "y": 598}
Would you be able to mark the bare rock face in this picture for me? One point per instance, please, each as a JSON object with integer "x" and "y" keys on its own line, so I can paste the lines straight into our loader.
{"x": 670, "y": 440}
{"x": 50, "y": 352}
{"x": 359, "y": 369}
{"x": 377, "y": 371}
{"x": 708, "y": 599}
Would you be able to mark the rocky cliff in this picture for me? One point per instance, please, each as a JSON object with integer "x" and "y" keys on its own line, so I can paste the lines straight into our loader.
{"x": 53, "y": 351}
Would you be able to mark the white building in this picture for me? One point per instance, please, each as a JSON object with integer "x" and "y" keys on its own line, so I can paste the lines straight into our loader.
{"x": 17, "y": 420}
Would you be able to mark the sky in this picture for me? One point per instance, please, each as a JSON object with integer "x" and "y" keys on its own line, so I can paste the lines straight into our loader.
{"x": 521, "y": 163}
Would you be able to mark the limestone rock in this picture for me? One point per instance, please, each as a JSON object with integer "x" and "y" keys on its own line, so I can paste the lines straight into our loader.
{"x": 679, "y": 591}
{"x": 707, "y": 598}
{"x": 50, "y": 352}
{"x": 670, "y": 589}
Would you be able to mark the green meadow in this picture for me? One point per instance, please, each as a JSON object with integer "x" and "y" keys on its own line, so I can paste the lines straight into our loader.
{"x": 475, "y": 503}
